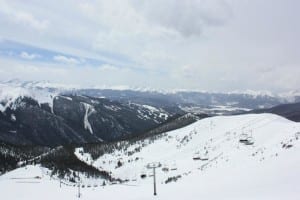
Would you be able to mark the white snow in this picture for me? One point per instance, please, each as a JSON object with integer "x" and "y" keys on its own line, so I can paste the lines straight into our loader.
{"x": 59, "y": 87}
{"x": 163, "y": 115}
{"x": 149, "y": 112}
{"x": 112, "y": 108}
{"x": 35, "y": 183}
{"x": 151, "y": 108}
{"x": 40, "y": 84}
{"x": 226, "y": 108}
{"x": 156, "y": 112}
{"x": 218, "y": 139}
{"x": 216, "y": 109}
{"x": 266, "y": 170}
{"x": 13, "y": 117}
{"x": 65, "y": 97}
{"x": 89, "y": 110}
{"x": 85, "y": 157}
{"x": 9, "y": 94}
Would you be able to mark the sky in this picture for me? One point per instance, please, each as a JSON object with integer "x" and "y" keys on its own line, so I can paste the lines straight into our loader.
{"x": 211, "y": 45}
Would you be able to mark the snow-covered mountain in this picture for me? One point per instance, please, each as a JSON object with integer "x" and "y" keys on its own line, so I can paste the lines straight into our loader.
{"x": 75, "y": 120}
{"x": 290, "y": 111}
{"x": 31, "y": 114}
{"x": 196, "y": 101}
{"x": 254, "y": 156}
{"x": 53, "y": 114}
{"x": 10, "y": 93}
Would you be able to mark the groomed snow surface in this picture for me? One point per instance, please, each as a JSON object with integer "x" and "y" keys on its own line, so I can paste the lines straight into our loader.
{"x": 208, "y": 155}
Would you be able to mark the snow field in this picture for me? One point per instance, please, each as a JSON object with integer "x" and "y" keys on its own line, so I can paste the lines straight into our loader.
{"x": 207, "y": 155}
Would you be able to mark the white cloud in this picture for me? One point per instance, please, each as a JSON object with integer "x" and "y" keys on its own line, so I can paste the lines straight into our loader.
{"x": 21, "y": 17}
{"x": 197, "y": 44}
{"x": 83, "y": 75}
{"x": 188, "y": 17}
{"x": 29, "y": 19}
{"x": 29, "y": 56}
{"x": 107, "y": 68}
{"x": 66, "y": 60}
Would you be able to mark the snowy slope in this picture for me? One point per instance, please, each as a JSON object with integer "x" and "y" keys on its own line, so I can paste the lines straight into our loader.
{"x": 268, "y": 169}
{"x": 215, "y": 139}
{"x": 276, "y": 179}
{"x": 210, "y": 146}
{"x": 9, "y": 94}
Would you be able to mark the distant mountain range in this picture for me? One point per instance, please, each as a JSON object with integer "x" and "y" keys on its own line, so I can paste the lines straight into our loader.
{"x": 289, "y": 111}
{"x": 75, "y": 119}
{"x": 42, "y": 113}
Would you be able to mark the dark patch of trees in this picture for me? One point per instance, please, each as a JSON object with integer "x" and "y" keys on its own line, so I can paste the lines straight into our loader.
{"x": 172, "y": 179}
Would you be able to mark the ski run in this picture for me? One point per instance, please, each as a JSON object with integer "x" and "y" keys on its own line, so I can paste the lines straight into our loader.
{"x": 253, "y": 156}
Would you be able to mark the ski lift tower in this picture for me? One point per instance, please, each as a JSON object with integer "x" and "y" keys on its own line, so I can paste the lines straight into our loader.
{"x": 153, "y": 166}
{"x": 79, "y": 181}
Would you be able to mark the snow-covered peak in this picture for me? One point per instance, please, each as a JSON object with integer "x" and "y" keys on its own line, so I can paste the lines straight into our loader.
{"x": 40, "y": 84}
{"x": 291, "y": 95}
{"x": 254, "y": 93}
{"x": 10, "y": 92}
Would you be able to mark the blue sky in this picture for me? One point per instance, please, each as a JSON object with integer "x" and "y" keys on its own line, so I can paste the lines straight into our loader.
{"x": 213, "y": 45}
{"x": 24, "y": 52}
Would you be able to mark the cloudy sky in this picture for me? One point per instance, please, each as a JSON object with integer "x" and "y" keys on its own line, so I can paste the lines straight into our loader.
{"x": 213, "y": 45}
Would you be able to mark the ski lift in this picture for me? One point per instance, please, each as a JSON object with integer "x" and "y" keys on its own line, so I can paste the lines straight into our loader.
{"x": 246, "y": 139}
{"x": 243, "y": 137}
{"x": 204, "y": 158}
{"x": 297, "y": 135}
{"x": 196, "y": 156}
{"x": 143, "y": 175}
{"x": 204, "y": 155}
{"x": 165, "y": 169}
{"x": 173, "y": 166}
{"x": 201, "y": 156}
{"x": 250, "y": 141}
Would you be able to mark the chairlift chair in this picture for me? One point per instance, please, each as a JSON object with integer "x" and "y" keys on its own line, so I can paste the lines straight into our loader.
{"x": 250, "y": 141}
{"x": 204, "y": 156}
{"x": 243, "y": 138}
{"x": 201, "y": 156}
{"x": 246, "y": 139}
